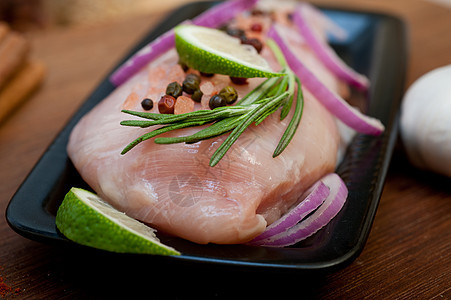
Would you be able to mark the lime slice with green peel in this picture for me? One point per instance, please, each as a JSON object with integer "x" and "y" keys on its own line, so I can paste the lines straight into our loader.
{"x": 85, "y": 218}
{"x": 213, "y": 51}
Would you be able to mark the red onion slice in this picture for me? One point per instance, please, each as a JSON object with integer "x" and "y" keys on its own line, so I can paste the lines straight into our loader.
{"x": 321, "y": 217}
{"x": 310, "y": 201}
{"x": 213, "y": 17}
{"x": 324, "y": 52}
{"x": 333, "y": 102}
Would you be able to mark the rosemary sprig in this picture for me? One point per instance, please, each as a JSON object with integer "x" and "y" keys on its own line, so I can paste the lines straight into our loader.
{"x": 196, "y": 116}
{"x": 294, "y": 123}
{"x": 255, "y": 107}
{"x": 261, "y": 112}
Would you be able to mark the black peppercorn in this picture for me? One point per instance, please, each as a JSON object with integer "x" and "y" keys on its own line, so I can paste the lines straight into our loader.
{"x": 147, "y": 104}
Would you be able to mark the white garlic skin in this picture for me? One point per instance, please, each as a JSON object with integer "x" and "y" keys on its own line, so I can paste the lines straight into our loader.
{"x": 426, "y": 121}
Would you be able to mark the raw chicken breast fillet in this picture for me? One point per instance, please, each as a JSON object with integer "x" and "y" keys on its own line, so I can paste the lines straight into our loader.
{"x": 172, "y": 187}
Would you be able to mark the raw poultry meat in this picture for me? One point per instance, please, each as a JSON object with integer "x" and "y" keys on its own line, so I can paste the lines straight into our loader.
{"x": 172, "y": 187}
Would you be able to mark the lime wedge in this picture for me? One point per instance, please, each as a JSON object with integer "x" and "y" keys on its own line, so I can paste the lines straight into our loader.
{"x": 85, "y": 218}
{"x": 213, "y": 51}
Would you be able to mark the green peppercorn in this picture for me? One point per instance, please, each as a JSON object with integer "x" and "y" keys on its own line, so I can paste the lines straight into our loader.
{"x": 147, "y": 104}
{"x": 174, "y": 89}
{"x": 197, "y": 95}
{"x": 216, "y": 101}
{"x": 191, "y": 83}
{"x": 229, "y": 94}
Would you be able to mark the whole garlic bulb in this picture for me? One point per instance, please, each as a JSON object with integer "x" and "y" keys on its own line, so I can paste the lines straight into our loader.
{"x": 426, "y": 121}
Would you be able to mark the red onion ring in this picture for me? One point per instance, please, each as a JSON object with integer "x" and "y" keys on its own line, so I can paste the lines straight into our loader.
{"x": 310, "y": 201}
{"x": 333, "y": 102}
{"x": 325, "y": 53}
{"x": 320, "y": 218}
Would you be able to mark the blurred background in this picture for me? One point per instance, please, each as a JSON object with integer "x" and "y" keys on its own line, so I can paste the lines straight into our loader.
{"x": 32, "y": 14}
{"x": 24, "y": 15}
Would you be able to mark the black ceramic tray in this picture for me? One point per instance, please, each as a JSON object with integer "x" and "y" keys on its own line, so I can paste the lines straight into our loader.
{"x": 375, "y": 46}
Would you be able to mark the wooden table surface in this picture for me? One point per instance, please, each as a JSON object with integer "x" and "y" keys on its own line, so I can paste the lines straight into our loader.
{"x": 406, "y": 256}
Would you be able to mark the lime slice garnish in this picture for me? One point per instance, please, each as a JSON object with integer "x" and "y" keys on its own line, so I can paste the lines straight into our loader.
{"x": 213, "y": 51}
{"x": 85, "y": 218}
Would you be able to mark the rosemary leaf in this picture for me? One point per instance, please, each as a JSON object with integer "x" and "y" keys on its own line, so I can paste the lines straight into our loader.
{"x": 259, "y": 92}
{"x": 199, "y": 115}
{"x": 235, "y": 134}
{"x": 277, "y": 52}
{"x": 158, "y": 131}
{"x": 287, "y": 106}
{"x": 137, "y": 123}
{"x": 272, "y": 109}
{"x": 280, "y": 88}
{"x": 145, "y": 115}
{"x": 214, "y": 130}
{"x": 294, "y": 123}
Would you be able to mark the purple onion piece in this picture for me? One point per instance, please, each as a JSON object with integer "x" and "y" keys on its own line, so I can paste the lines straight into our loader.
{"x": 333, "y": 102}
{"x": 320, "y": 218}
{"x": 309, "y": 201}
{"x": 325, "y": 53}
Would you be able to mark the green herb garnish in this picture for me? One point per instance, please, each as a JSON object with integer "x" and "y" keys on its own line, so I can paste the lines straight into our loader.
{"x": 261, "y": 102}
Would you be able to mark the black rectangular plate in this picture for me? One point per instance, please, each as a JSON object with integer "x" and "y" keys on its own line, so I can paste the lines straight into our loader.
{"x": 376, "y": 46}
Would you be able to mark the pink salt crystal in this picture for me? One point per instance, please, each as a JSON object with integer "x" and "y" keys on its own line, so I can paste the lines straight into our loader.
{"x": 208, "y": 89}
{"x": 183, "y": 105}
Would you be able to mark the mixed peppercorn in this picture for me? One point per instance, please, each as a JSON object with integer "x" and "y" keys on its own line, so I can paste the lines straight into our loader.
{"x": 191, "y": 84}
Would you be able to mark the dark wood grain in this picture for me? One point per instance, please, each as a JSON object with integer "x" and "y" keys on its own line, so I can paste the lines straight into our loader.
{"x": 407, "y": 255}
